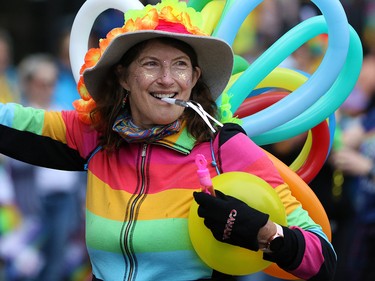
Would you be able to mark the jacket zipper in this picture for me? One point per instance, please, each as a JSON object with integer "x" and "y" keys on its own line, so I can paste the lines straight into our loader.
{"x": 133, "y": 207}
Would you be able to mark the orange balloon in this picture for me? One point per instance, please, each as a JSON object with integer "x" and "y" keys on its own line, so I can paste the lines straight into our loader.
{"x": 310, "y": 203}
{"x": 304, "y": 195}
{"x": 275, "y": 271}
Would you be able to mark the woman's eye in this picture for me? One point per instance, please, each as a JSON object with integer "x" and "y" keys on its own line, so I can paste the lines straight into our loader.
{"x": 150, "y": 63}
{"x": 181, "y": 63}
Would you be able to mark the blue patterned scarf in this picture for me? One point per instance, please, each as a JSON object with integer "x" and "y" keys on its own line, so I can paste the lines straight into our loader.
{"x": 132, "y": 133}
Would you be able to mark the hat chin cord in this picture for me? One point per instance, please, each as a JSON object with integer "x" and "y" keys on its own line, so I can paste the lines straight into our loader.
{"x": 203, "y": 114}
{"x": 197, "y": 108}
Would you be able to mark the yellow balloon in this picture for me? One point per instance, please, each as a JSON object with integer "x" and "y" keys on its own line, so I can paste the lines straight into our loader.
{"x": 301, "y": 158}
{"x": 211, "y": 14}
{"x": 224, "y": 257}
{"x": 283, "y": 78}
{"x": 280, "y": 77}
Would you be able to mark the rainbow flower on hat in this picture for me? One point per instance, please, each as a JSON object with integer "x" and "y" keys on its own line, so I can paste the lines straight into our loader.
{"x": 153, "y": 17}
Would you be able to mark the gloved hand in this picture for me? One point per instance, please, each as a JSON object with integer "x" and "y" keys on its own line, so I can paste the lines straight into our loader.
{"x": 231, "y": 220}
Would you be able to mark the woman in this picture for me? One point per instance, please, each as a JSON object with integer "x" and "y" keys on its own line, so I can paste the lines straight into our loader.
{"x": 140, "y": 154}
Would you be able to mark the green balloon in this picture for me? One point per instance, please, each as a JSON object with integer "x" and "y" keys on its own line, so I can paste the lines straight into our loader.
{"x": 240, "y": 64}
{"x": 198, "y": 5}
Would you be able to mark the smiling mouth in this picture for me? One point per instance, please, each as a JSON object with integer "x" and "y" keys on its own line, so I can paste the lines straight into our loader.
{"x": 163, "y": 95}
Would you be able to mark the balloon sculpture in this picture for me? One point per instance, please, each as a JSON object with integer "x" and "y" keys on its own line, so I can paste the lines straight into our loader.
{"x": 273, "y": 103}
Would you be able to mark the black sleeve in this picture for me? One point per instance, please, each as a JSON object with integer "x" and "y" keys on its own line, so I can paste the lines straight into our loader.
{"x": 228, "y": 131}
{"x": 39, "y": 150}
{"x": 291, "y": 255}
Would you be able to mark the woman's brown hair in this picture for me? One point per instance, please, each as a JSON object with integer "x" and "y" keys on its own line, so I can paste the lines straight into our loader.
{"x": 110, "y": 104}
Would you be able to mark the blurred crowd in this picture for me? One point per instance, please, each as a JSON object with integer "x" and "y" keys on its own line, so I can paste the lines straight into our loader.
{"x": 42, "y": 210}
{"x": 41, "y": 213}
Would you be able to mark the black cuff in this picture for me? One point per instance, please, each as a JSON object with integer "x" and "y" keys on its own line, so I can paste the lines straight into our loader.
{"x": 290, "y": 255}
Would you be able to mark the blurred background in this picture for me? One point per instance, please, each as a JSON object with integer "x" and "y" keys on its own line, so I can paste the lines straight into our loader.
{"x": 42, "y": 219}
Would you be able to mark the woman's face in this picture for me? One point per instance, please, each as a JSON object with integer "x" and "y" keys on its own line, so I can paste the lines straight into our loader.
{"x": 159, "y": 71}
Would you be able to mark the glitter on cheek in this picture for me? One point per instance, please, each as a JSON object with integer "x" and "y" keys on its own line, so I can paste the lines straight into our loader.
{"x": 150, "y": 76}
{"x": 183, "y": 76}
{"x": 147, "y": 74}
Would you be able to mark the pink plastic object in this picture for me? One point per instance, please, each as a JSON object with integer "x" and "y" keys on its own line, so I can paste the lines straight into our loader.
{"x": 204, "y": 174}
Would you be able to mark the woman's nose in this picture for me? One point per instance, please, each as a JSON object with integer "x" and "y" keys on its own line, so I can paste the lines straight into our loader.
{"x": 166, "y": 76}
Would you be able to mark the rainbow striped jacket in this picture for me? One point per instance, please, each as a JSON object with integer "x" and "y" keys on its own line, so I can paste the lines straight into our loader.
{"x": 138, "y": 198}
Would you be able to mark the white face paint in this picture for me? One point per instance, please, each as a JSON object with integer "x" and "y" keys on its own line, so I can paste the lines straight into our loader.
{"x": 159, "y": 71}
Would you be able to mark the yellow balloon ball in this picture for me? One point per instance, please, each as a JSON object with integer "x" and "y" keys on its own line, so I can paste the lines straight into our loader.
{"x": 224, "y": 257}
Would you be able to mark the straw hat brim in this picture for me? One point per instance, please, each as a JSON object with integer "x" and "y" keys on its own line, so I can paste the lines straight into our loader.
{"x": 215, "y": 58}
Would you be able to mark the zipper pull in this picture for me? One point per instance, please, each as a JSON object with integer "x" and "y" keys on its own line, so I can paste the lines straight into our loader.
{"x": 144, "y": 150}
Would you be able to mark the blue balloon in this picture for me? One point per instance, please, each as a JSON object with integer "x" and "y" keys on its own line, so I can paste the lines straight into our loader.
{"x": 322, "y": 108}
{"x": 332, "y": 130}
{"x": 319, "y": 83}
{"x": 234, "y": 14}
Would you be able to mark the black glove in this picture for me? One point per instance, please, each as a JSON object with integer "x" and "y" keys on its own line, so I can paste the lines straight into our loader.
{"x": 231, "y": 220}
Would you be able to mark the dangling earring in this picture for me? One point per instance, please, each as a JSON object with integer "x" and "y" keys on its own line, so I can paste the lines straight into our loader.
{"x": 125, "y": 99}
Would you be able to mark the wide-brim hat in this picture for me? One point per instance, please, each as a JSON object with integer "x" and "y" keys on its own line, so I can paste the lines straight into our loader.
{"x": 215, "y": 58}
